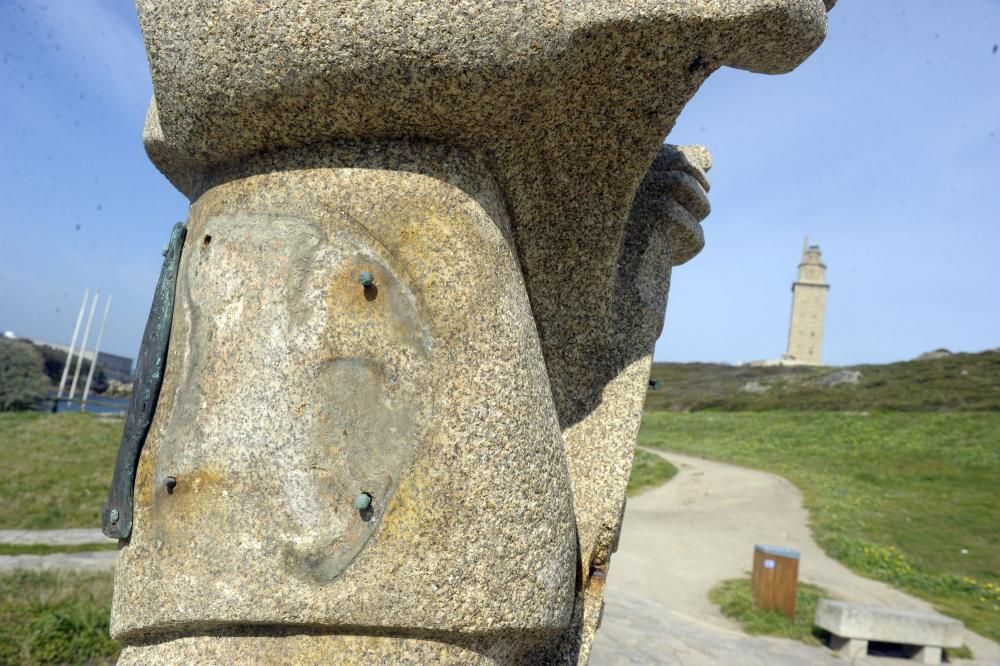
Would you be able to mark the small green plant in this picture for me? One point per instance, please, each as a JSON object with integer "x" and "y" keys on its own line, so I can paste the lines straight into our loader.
{"x": 735, "y": 599}
{"x": 648, "y": 470}
{"x": 963, "y": 652}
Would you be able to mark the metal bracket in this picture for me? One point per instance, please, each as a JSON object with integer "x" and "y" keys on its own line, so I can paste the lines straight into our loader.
{"x": 117, "y": 513}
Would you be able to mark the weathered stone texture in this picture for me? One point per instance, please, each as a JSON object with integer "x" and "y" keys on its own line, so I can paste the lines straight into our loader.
{"x": 290, "y": 388}
{"x": 499, "y": 168}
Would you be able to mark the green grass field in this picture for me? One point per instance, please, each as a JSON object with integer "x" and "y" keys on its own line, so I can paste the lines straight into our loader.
{"x": 51, "y": 618}
{"x": 56, "y": 469}
{"x": 912, "y": 499}
{"x": 648, "y": 471}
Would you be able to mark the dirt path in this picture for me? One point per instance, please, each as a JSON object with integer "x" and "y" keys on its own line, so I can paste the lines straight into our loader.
{"x": 679, "y": 540}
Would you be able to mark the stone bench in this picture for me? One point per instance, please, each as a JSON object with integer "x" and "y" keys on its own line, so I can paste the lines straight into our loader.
{"x": 852, "y": 626}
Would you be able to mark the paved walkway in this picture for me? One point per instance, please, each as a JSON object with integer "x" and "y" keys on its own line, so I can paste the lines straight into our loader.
{"x": 640, "y": 630}
{"x": 100, "y": 560}
{"x": 68, "y": 537}
{"x": 682, "y": 538}
{"x": 103, "y": 560}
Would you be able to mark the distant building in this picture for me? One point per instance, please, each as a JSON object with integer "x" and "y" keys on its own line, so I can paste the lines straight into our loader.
{"x": 805, "y": 332}
{"x": 115, "y": 367}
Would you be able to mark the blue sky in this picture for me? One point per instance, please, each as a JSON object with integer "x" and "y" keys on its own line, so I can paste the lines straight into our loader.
{"x": 884, "y": 149}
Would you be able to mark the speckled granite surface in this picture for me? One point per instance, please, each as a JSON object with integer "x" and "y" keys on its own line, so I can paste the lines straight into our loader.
{"x": 498, "y": 168}
{"x": 291, "y": 388}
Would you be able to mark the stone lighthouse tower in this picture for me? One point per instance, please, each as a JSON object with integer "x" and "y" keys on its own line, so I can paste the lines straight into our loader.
{"x": 805, "y": 333}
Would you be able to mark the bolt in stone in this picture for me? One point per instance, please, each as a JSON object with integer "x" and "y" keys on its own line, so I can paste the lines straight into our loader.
{"x": 362, "y": 501}
{"x": 366, "y": 279}
{"x": 170, "y": 482}
{"x": 114, "y": 516}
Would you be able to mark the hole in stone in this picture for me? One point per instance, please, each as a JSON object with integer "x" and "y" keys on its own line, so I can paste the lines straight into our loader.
{"x": 206, "y": 240}
{"x": 371, "y": 293}
{"x": 369, "y": 511}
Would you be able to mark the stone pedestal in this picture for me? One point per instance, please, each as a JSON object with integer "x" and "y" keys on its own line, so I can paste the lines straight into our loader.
{"x": 292, "y": 388}
{"x": 426, "y": 264}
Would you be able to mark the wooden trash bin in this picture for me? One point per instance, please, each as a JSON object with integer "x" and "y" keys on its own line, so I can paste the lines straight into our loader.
{"x": 775, "y": 578}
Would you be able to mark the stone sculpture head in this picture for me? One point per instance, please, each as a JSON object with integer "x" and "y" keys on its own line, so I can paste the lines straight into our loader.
{"x": 426, "y": 262}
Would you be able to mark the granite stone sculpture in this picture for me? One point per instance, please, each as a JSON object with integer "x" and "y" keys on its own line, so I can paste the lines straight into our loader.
{"x": 426, "y": 262}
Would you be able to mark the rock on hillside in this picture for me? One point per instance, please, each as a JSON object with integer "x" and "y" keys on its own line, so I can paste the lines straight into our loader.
{"x": 931, "y": 355}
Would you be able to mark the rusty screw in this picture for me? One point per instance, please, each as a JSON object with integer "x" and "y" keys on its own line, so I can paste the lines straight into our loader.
{"x": 366, "y": 279}
{"x": 362, "y": 501}
{"x": 170, "y": 482}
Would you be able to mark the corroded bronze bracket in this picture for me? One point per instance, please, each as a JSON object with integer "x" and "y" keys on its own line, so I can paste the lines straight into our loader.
{"x": 117, "y": 513}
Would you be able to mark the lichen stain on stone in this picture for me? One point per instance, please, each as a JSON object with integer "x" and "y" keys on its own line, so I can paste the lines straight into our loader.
{"x": 189, "y": 484}
{"x": 437, "y": 243}
{"x": 402, "y": 516}
{"x": 392, "y": 316}
{"x": 196, "y": 492}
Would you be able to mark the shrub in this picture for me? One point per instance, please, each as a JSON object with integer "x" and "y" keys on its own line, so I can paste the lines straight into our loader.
{"x": 22, "y": 382}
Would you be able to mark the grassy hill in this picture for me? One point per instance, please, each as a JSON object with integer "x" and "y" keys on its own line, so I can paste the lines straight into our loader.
{"x": 954, "y": 382}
